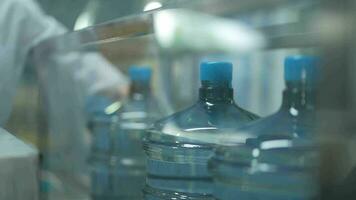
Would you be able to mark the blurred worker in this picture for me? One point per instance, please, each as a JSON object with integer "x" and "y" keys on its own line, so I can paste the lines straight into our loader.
{"x": 23, "y": 25}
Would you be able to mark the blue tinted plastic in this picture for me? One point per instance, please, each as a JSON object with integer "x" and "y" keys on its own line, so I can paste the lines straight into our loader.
{"x": 100, "y": 122}
{"x": 134, "y": 117}
{"x": 278, "y": 158}
{"x": 269, "y": 170}
{"x": 175, "y": 147}
{"x": 118, "y": 165}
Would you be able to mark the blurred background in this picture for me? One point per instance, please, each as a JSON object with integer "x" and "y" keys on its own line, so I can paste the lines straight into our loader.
{"x": 133, "y": 32}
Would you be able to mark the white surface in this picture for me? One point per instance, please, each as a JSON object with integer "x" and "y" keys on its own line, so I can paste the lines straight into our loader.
{"x": 18, "y": 169}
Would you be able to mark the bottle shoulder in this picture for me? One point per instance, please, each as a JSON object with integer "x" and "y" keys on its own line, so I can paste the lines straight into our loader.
{"x": 199, "y": 122}
{"x": 281, "y": 125}
{"x": 200, "y": 116}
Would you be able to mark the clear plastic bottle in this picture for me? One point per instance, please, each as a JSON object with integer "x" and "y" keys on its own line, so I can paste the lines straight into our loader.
{"x": 176, "y": 147}
{"x": 117, "y": 158}
{"x": 279, "y": 159}
{"x": 101, "y": 124}
{"x": 135, "y": 115}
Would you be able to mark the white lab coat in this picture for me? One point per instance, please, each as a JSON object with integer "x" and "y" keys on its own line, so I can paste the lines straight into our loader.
{"x": 23, "y": 25}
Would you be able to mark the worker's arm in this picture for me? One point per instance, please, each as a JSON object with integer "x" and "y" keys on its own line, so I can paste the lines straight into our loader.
{"x": 23, "y": 25}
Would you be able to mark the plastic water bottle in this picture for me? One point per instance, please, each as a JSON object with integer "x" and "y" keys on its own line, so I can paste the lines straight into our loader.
{"x": 117, "y": 158}
{"x": 133, "y": 118}
{"x": 176, "y": 146}
{"x": 101, "y": 124}
{"x": 279, "y": 159}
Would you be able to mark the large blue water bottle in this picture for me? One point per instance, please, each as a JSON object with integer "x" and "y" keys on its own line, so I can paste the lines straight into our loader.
{"x": 117, "y": 160}
{"x": 177, "y": 147}
{"x": 101, "y": 124}
{"x": 279, "y": 159}
{"x": 134, "y": 116}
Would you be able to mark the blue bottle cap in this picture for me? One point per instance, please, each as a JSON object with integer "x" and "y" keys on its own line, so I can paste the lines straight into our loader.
{"x": 301, "y": 67}
{"x": 216, "y": 71}
{"x": 140, "y": 73}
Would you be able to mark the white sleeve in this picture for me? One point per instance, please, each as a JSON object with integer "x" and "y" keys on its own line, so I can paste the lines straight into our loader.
{"x": 98, "y": 74}
{"x": 22, "y": 26}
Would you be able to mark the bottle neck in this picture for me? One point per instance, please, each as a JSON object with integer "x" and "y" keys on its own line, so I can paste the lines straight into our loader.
{"x": 213, "y": 93}
{"x": 139, "y": 90}
{"x": 299, "y": 97}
